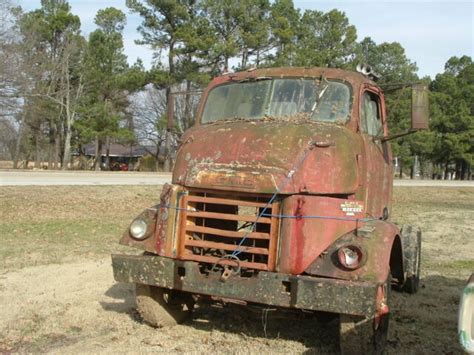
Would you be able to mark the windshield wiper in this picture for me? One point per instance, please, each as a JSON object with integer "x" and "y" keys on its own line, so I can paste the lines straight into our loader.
{"x": 319, "y": 94}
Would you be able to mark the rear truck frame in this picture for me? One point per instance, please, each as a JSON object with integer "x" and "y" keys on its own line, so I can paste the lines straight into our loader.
{"x": 281, "y": 196}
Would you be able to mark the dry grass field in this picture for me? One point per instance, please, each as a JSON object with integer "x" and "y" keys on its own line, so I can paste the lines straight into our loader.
{"x": 57, "y": 293}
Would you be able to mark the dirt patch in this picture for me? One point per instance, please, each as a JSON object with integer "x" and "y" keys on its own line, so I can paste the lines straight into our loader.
{"x": 74, "y": 305}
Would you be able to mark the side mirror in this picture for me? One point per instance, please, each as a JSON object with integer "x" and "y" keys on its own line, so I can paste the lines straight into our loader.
{"x": 419, "y": 107}
{"x": 466, "y": 317}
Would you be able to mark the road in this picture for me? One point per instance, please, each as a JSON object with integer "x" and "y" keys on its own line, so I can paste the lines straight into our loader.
{"x": 49, "y": 178}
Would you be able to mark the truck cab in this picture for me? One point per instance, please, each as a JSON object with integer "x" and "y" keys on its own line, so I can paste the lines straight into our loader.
{"x": 280, "y": 196}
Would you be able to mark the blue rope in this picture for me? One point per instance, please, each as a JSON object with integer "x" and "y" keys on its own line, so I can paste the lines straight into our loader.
{"x": 288, "y": 216}
{"x": 323, "y": 217}
{"x": 275, "y": 194}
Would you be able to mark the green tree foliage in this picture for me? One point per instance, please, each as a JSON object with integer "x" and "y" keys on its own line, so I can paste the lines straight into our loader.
{"x": 167, "y": 28}
{"x": 453, "y": 116}
{"x": 325, "y": 39}
{"x": 284, "y": 23}
{"x": 225, "y": 18}
{"x": 389, "y": 60}
{"x": 109, "y": 79}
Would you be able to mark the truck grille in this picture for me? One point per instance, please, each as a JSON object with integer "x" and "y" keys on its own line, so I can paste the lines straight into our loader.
{"x": 213, "y": 225}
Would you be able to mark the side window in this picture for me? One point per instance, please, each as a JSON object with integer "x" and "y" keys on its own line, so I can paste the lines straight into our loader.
{"x": 371, "y": 119}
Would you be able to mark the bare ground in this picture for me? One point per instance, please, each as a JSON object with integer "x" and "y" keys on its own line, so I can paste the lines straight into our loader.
{"x": 57, "y": 293}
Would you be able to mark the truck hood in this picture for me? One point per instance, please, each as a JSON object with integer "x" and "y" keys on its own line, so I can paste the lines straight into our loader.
{"x": 258, "y": 156}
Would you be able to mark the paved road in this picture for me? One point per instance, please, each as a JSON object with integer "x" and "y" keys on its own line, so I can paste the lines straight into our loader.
{"x": 48, "y": 178}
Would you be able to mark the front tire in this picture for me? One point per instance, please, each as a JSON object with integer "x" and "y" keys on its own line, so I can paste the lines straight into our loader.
{"x": 411, "y": 236}
{"x": 161, "y": 307}
{"x": 360, "y": 335}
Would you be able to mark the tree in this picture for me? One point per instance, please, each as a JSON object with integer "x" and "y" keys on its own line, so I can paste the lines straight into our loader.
{"x": 50, "y": 53}
{"x": 284, "y": 23}
{"x": 325, "y": 39}
{"x": 254, "y": 32}
{"x": 108, "y": 77}
{"x": 453, "y": 117}
{"x": 389, "y": 60}
{"x": 166, "y": 26}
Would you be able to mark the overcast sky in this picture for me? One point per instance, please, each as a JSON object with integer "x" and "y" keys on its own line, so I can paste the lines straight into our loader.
{"x": 430, "y": 31}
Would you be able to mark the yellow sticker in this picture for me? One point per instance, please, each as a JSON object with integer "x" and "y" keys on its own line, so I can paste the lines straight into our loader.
{"x": 351, "y": 207}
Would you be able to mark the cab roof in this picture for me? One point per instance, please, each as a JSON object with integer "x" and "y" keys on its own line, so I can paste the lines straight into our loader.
{"x": 354, "y": 78}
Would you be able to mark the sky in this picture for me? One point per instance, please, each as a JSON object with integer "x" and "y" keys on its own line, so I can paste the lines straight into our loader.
{"x": 430, "y": 31}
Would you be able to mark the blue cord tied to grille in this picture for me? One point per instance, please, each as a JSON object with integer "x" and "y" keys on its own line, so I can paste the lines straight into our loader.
{"x": 290, "y": 174}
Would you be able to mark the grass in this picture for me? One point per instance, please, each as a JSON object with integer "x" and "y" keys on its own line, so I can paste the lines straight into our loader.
{"x": 445, "y": 217}
{"x": 44, "y": 225}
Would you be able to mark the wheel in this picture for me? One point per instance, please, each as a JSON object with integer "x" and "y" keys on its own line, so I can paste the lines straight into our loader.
{"x": 161, "y": 307}
{"x": 360, "y": 335}
{"x": 411, "y": 239}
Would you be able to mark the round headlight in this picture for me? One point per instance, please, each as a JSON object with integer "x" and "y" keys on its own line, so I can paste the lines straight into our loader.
{"x": 138, "y": 229}
{"x": 350, "y": 257}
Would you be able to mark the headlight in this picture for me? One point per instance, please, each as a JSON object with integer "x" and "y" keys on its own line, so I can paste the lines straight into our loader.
{"x": 350, "y": 256}
{"x": 138, "y": 229}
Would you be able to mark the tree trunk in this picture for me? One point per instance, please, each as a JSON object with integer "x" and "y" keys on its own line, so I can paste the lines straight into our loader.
{"x": 463, "y": 174}
{"x": 18, "y": 139}
{"x": 107, "y": 153}
{"x": 401, "y": 171}
{"x": 187, "y": 106}
{"x": 37, "y": 149}
{"x": 97, "y": 154}
{"x": 57, "y": 148}
{"x": 167, "y": 157}
{"x": 446, "y": 170}
{"x": 226, "y": 64}
{"x": 244, "y": 58}
{"x": 67, "y": 140}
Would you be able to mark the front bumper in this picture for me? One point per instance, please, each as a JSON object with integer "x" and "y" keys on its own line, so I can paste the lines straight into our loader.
{"x": 268, "y": 288}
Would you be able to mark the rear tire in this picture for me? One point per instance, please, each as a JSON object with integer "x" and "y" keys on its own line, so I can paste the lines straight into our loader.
{"x": 360, "y": 335}
{"x": 411, "y": 239}
{"x": 161, "y": 307}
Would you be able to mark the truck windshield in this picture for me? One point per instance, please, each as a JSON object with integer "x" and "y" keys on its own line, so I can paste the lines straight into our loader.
{"x": 279, "y": 98}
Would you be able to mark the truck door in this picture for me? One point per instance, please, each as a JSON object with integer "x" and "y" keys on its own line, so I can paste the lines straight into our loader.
{"x": 378, "y": 154}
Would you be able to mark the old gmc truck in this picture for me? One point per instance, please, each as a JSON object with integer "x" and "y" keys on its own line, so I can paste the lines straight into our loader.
{"x": 281, "y": 196}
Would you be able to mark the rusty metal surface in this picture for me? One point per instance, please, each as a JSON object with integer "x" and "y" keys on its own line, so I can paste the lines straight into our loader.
{"x": 376, "y": 239}
{"x": 274, "y": 289}
{"x": 210, "y": 237}
{"x": 304, "y": 239}
{"x": 256, "y": 157}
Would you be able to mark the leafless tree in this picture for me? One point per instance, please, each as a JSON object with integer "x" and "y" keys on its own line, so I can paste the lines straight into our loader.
{"x": 150, "y": 122}
{"x": 148, "y": 108}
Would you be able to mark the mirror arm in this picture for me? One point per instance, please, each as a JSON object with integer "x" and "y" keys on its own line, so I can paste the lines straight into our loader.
{"x": 398, "y": 135}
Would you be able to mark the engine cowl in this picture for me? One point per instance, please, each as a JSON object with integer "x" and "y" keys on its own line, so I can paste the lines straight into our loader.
{"x": 257, "y": 156}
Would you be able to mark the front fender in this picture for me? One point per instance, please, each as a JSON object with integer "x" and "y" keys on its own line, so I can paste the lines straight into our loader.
{"x": 377, "y": 239}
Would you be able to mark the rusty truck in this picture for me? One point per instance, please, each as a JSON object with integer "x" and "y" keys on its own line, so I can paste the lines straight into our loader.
{"x": 281, "y": 196}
